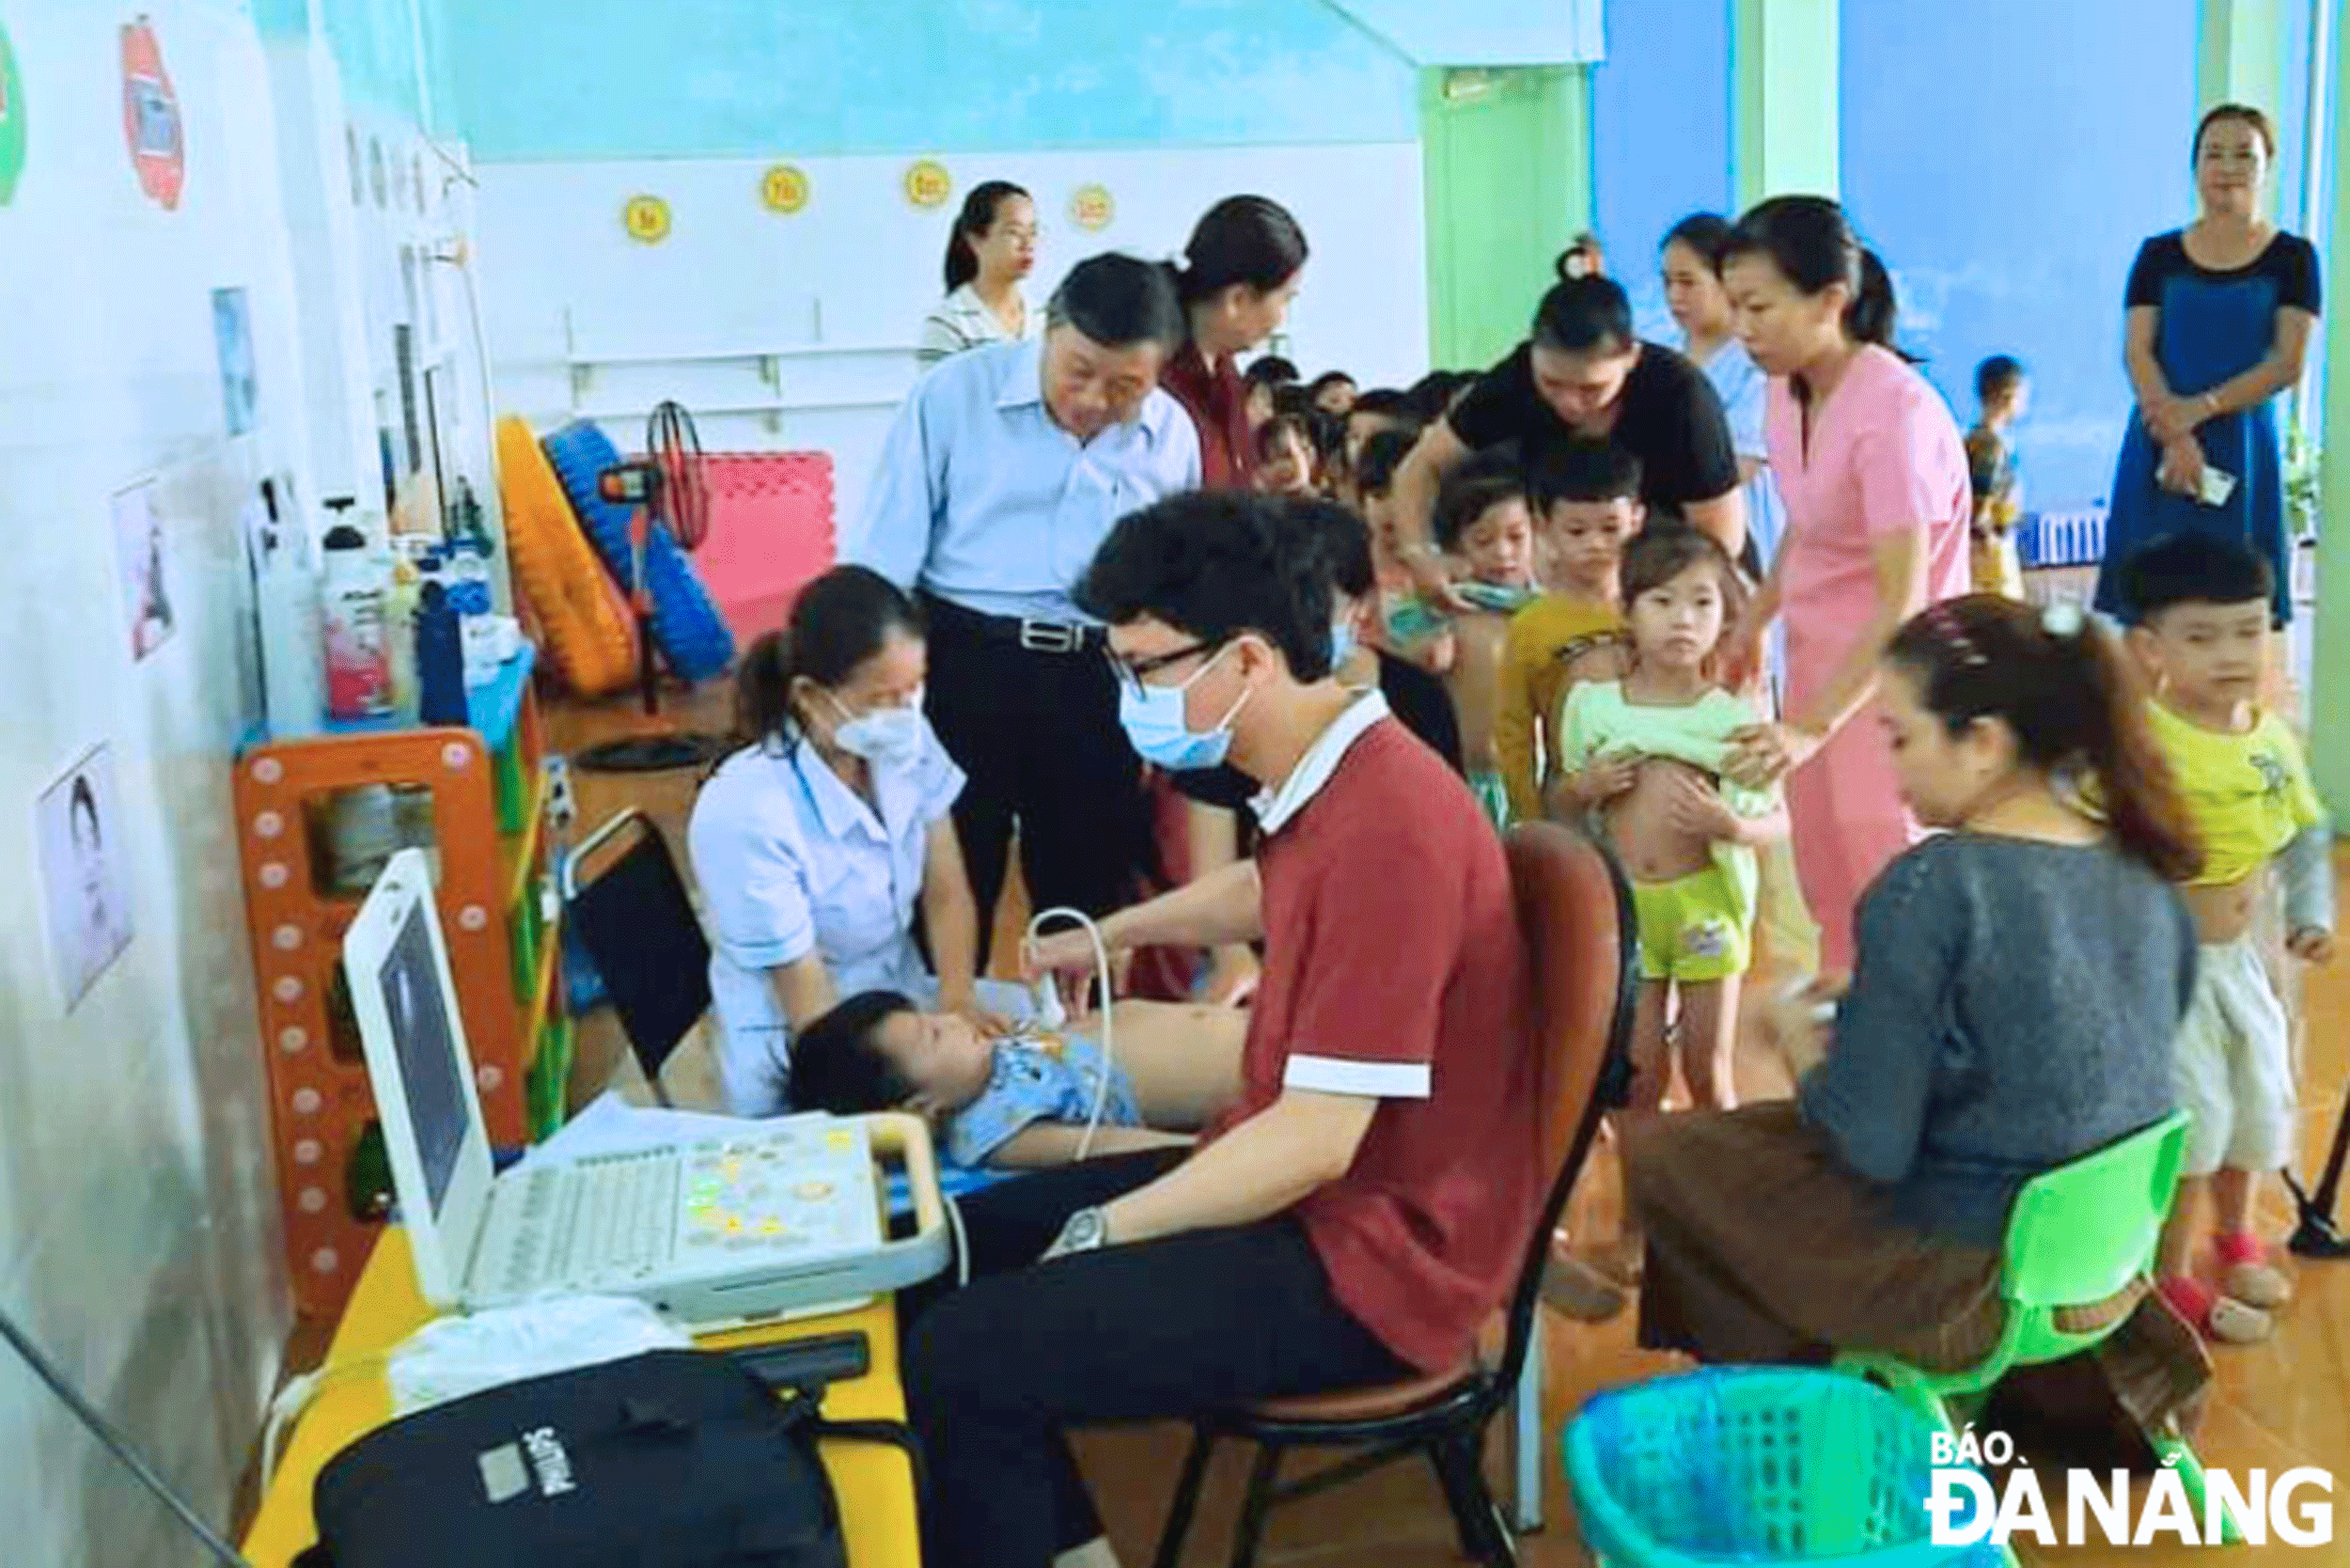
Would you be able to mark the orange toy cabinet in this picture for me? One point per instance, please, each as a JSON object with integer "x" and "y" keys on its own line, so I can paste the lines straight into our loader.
{"x": 316, "y": 817}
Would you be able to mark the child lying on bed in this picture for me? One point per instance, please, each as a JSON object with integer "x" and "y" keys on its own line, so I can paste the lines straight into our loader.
{"x": 1023, "y": 1099}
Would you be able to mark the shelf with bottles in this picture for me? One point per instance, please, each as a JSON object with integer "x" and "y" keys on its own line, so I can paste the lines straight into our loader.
{"x": 318, "y": 817}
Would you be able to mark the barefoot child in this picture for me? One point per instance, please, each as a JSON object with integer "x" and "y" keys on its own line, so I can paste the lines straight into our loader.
{"x": 2202, "y": 607}
{"x": 1645, "y": 754}
{"x": 1024, "y": 1100}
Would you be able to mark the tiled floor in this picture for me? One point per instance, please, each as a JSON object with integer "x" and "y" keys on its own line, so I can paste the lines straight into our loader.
{"x": 2283, "y": 1403}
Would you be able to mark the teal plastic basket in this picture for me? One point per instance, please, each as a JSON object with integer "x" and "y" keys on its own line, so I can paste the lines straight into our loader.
{"x": 1755, "y": 1465}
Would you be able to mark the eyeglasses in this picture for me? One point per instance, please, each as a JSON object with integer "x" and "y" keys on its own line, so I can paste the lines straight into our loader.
{"x": 1130, "y": 672}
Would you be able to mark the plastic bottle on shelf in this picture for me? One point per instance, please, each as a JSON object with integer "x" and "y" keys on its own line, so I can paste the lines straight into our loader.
{"x": 401, "y": 631}
{"x": 356, "y": 598}
{"x": 440, "y": 660}
{"x": 469, "y": 576}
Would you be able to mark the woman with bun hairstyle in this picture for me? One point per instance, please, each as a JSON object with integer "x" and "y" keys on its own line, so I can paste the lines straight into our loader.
{"x": 1239, "y": 272}
{"x": 1583, "y": 375}
{"x": 1873, "y": 472}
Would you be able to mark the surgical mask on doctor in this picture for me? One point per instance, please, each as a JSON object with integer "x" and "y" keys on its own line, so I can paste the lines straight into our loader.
{"x": 891, "y": 737}
{"x": 1154, "y": 717}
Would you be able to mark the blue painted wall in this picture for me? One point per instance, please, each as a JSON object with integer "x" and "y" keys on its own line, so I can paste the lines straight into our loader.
{"x": 1660, "y": 135}
{"x": 2012, "y": 230}
{"x": 536, "y": 80}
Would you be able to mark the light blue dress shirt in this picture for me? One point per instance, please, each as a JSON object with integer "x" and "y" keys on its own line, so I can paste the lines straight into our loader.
{"x": 982, "y": 499}
{"x": 1740, "y": 385}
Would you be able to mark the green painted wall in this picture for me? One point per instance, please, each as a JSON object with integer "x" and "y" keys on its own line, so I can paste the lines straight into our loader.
{"x": 1506, "y": 161}
{"x": 1784, "y": 89}
{"x": 2240, "y": 56}
{"x": 2329, "y": 738}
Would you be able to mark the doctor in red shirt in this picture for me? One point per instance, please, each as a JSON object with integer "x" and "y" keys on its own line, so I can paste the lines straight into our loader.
{"x": 1359, "y": 1214}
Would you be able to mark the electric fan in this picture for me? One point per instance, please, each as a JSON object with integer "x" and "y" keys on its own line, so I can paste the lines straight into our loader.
{"x": 664, "y": 493}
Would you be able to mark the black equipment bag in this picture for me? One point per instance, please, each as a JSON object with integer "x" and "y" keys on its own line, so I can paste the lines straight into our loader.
{"x": 671, "y": 1459}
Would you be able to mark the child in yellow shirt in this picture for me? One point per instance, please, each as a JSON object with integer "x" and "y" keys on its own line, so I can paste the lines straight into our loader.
{"x": 1586, "y": 499}
{"x": 2200, "y": 608}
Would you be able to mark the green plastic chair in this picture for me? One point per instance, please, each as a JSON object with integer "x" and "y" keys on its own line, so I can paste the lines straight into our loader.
{"x": 2079, "y": 1235}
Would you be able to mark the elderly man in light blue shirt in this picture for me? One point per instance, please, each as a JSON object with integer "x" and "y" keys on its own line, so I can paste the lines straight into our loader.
{"x": 1005, "y": 470}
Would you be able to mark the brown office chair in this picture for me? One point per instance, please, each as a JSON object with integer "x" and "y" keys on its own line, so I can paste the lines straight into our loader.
{"x": 638, "y": 923}
{"x": 1575, "y": 910}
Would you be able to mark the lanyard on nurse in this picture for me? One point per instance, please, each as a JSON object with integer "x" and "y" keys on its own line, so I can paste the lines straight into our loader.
{"x": 796, "y": 748}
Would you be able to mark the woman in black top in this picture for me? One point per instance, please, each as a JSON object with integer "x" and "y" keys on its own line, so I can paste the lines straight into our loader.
{"x": 2217, "y": 322}
{"x": 1583, "y": 375}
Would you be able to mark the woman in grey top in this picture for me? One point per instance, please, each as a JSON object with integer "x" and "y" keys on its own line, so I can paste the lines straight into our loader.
{"x": 991, "y": 248}
{"x": 2020, "y": 980}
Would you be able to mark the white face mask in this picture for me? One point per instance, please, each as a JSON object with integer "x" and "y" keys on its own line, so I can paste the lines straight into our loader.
{"x": 890, "y": 737}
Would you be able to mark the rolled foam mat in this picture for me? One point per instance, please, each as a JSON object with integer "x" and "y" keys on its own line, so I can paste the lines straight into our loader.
{"x": 687, "y": 628}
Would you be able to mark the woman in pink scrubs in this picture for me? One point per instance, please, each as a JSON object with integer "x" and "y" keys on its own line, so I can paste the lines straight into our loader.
{"x": 1872, "y": 473}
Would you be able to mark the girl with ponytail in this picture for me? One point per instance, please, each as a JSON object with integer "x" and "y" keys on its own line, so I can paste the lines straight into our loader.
{"x": 1240, "y": 270}
{"x": 813, "y": 842}
{"x": 1871, "y": 472}
{"x": 2021, "y": 978}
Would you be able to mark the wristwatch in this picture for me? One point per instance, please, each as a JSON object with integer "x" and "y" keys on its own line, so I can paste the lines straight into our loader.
{"x": 1087, "y": 1230}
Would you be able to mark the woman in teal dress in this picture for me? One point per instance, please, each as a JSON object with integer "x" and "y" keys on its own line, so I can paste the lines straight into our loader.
{"x": 2218, "y": 322}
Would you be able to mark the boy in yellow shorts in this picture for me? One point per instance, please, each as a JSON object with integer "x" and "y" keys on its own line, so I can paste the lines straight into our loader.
{"x": 2199, "y": 605}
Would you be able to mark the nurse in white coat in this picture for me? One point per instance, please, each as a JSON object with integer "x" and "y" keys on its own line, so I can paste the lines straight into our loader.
{"x": 813, "y": 843}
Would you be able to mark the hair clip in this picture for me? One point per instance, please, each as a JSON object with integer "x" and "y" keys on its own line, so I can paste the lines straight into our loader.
{"x": 2062, "y": 618}
{"x": 1952, "y": 631}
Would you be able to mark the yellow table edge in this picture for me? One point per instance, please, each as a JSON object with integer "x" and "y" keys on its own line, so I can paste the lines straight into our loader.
{"x": 874, "y": 1482}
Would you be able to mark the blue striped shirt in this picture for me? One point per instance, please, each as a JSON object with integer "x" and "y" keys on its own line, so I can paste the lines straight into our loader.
{"x": 982, "y": 499}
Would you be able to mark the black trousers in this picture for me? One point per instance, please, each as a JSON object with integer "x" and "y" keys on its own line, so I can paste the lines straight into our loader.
{"x": 996, "y": 1371}
{"x": 1038, "y": 733}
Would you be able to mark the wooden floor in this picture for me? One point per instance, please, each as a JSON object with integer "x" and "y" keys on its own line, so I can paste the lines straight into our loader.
{"x": 2278, "y": 1405}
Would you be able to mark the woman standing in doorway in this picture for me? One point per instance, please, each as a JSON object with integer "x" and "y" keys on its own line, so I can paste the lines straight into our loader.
{"x": 1874, "y": 474}
{"x": 991, "y": 248}
{"x": 2216, "y": 323}
{"x": 1239, "y": 272}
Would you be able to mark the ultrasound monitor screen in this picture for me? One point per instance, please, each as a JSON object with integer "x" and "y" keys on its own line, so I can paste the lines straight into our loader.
{"x": 430, "y": 1071}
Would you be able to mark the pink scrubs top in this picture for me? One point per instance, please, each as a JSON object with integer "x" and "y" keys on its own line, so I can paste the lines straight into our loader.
{"x": 1885, "y": 456}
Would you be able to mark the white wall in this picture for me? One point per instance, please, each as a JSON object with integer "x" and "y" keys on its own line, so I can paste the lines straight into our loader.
{"x": 138, "y": 1237}
{"x": 138, "y": 1234}
{"x": 855, "y": 270}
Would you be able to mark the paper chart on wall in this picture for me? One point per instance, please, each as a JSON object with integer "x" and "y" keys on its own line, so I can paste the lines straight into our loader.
{"x": 84, "y": 876}
{"x": 232, "y": 334}
{"x": 141, "y": 554}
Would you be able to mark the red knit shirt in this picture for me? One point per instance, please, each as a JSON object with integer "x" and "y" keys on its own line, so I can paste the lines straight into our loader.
{"x": 1393, "y": 967}
{"x": 1217, "y": 402}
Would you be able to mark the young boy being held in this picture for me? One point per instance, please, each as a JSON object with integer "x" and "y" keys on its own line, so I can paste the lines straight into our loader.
{"x": 1024, "y": 1100}
{"x": 1403, "y": 626}
{"x": 2001, "y": 391}
{"x": 1482, "y": 523}
{"x": 2201, "y": 606}
{"x": 1586, "y": 501}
